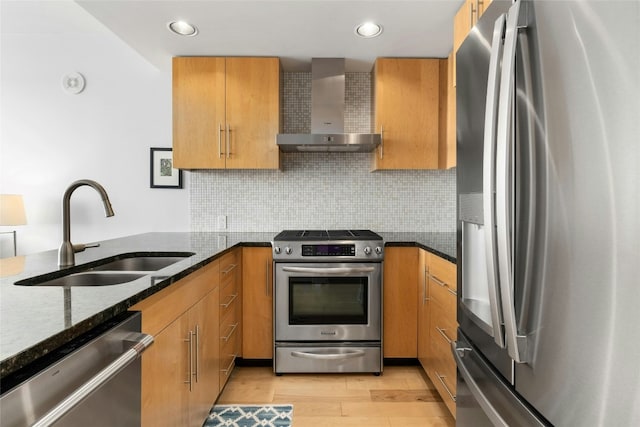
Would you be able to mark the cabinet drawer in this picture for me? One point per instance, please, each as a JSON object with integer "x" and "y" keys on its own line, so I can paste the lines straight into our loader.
{"x": 229, "y": 266}
{"x": 442, "y": 296}
{"x": 228, "y": 352}
{"x": 228, "y": 299}
{"x": 443, "y": 270}
{"x": 443, "y": 332}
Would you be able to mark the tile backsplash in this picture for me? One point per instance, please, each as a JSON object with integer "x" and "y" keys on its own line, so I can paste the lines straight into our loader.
{"x": 324, "y": 190}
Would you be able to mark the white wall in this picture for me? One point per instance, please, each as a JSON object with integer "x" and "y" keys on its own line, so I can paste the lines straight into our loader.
{"x": 50, "y": 138}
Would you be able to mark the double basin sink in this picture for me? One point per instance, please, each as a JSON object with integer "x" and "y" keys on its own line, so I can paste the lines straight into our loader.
{"x": 115, "y": 270}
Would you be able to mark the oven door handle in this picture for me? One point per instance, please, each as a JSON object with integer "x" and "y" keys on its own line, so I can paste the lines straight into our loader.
{"x": 329, "y": 271}
{"x": 328, "y": 356}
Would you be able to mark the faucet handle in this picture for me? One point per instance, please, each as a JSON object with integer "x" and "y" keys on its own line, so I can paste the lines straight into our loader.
{"x": 79, "y": 247}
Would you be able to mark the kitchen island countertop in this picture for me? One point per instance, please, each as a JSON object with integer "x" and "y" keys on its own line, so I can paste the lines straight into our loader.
{"x": 37, "y": 319}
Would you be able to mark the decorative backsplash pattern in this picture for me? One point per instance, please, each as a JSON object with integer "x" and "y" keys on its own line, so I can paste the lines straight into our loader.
{"x": 324, "y": 190}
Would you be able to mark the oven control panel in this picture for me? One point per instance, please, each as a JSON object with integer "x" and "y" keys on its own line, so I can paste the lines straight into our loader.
{"x": 328, "y": 250}
{"x": 297, "y": 251}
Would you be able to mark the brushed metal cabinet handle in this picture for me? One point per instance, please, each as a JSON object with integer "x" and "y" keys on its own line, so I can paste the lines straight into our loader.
{"x": 440, "y": 377}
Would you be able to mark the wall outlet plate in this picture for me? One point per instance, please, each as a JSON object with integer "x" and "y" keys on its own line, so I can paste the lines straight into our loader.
{"x": 222, "y": 222}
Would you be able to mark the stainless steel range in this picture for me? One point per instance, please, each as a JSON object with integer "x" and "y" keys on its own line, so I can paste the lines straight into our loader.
{"x": 328, "y": 301}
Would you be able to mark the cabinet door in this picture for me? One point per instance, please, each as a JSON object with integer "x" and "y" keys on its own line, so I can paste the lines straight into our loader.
{"x": 257, "y": 303}
{"x": 198, "y": 112}
{"x": 400, "y": 308}
{"x": 253, "y": 113}
{"x": 165, "y": 374}
{"x": 450, "y": 138}
{"x": 462, "y": 23}
{"x": 407, "y": 93}
{"x": 204, "y": 324}
{"x": 423, "y": 309}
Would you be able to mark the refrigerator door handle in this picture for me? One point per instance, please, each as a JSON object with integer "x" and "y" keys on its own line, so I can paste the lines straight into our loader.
{"x": 515, "y": 345}
{"x": 488, "y": 179}
{"x": 459, "y": 353}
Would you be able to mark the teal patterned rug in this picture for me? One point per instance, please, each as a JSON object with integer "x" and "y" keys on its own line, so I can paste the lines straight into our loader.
{"x": 250, "y": 416}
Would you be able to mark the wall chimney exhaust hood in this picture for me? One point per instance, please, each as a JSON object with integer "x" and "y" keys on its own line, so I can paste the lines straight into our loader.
{"x": 327, "y": 115}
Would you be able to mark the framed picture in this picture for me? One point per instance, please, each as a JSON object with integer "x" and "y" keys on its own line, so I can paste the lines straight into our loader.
{"x": 163, "y": 174}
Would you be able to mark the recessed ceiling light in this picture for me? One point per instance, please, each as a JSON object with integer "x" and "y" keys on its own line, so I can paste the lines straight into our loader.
{"x": 182, "y": 28}
{"x": 369, "y": 29}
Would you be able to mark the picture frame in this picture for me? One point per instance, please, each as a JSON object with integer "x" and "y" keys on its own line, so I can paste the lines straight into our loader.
{"x": 163, "y": 174}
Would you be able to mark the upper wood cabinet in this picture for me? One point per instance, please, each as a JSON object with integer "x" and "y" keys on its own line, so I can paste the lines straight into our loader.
{"x": 257, "y": 303}
{"x": 464, "y": 20}
{"x": 448, "y": 127}
{"x": 226, "y": 112}
{"x": 407, "y": 113}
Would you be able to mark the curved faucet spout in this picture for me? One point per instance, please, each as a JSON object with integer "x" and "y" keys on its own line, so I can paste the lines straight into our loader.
{"x": 66, "y": 253}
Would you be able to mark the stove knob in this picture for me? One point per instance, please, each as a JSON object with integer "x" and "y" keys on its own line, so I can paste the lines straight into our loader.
{"x": 378, "y": 250}
{"x": 288, "y": 250}
{"x": 276, "y": 250}
{"x": 367, "y": 250}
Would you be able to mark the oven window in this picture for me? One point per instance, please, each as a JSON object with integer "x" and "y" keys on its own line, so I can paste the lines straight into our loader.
{"x": 328, "y": 300}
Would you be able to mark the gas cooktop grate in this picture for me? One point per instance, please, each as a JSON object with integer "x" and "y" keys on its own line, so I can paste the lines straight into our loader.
{"x": 327, "y": 235}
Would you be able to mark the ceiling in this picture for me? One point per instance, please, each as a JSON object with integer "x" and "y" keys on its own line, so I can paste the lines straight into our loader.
{"x": 294, "y": 30}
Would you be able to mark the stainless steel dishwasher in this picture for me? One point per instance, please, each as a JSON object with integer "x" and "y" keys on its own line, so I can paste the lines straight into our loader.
{"x": 95, "y": 380}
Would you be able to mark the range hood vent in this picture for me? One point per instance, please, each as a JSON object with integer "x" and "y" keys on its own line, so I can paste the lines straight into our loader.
{"x": 327, "y": 115}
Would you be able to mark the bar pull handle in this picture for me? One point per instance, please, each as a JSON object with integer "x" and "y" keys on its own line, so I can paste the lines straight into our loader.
{"x": 328, "y": 356}
{"x": 143, "y": 341}
{"x": 438, "y": 281}
{"x": 443, "y": 284}
{"x": 219, "y": 140}
{"x": 228, "y": 270}
{"x": 197, "y": 346}
{"x": 228, "y": 141}
{"x": 425, "y": 297}
{"x": 336, "y": 271}
{"x": 381, "y": 142}
{"x": 189, "y": 342}
{"x": 441, "y": 379}
{"x": 489, "y": 180}
{"x": 516, "y": 345}
{"x": 267, "y": 281}
{"x": 231, "y": 299}
{"x": 228, "y": 368}
{"x": 444, "y": 335}
{"x": 458, "y": 354}
{"x": 228, "y": 336}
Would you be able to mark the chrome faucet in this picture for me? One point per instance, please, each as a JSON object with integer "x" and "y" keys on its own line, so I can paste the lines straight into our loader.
{"x": 66, "y": 253}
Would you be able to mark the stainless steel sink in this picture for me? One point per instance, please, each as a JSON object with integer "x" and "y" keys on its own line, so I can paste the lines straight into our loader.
{"x": 143, "y": 263}
{"x": 102, "y": 278}
{"x": 115, "y": 270}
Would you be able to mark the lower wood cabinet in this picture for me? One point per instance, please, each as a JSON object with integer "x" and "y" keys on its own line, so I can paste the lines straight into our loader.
{"x": 257, "y": 303}
{"x": 180, "y": 370}
{"x": 423, "y": 309}
{"x": 230, "y": 331}
{"x": 441, "y": 328}
{"x": 400, "y": 311}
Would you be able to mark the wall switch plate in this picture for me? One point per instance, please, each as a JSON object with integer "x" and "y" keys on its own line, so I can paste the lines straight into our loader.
{"x": 222, "y": 222}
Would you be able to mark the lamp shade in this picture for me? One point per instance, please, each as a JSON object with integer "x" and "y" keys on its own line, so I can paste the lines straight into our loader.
{"x": 12, "y": 210}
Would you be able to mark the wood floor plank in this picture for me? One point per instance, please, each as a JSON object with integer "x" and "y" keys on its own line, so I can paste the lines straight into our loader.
{"x": 405, "y": 396}
{"x": 390, "y": 409}
{"x": 401, "y": 397}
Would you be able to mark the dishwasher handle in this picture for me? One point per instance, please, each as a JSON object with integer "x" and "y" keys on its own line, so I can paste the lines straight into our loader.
{"x": 142, "y": 341}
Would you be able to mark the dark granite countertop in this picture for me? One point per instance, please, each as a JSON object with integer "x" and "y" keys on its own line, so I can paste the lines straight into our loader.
{"x": 441, "y": 244}
{"x": 36, "y": 319}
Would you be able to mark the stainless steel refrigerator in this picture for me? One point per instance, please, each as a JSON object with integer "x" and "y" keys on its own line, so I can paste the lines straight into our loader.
{"x": 548, "y": 182}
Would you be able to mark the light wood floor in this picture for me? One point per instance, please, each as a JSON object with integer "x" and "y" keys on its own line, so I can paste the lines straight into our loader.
{"x": 402, "y": 396}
